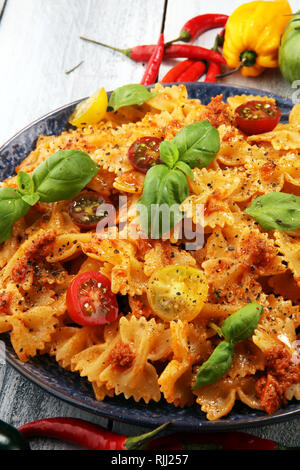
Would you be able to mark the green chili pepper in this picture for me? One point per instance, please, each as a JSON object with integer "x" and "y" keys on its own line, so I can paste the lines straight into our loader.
{"x": 289, "y": 50}
{"x": 11, "y": 438}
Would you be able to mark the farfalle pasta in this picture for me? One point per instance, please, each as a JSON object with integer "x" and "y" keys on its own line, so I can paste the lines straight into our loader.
{"x": 140, "y": 351}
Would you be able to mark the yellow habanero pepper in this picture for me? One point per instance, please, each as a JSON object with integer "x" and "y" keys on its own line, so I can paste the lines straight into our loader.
{"x": 252, "y": 35}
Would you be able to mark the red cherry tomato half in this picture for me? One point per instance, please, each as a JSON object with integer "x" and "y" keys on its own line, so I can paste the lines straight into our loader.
{"x": 256, "y": 117}
{"x": 90, "y": 301}
{"x": 83, "y": 209}
{"x": 144, "y": 153}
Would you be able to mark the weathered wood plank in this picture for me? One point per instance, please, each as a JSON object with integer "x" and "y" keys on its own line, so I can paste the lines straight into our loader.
{"x": 17, "y": 410}
{"x": 39, "y": 42}
{"x": 2, "y": 7}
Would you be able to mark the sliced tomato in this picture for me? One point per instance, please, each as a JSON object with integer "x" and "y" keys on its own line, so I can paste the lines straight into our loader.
{"x": 91, "y": 110}
{"x": 90, "y": 301}
{"x": 177, "y": 292}
{"x": 256, "y": 117}
{"x": 144, "y": 153}
{"x": 85, "y": 209}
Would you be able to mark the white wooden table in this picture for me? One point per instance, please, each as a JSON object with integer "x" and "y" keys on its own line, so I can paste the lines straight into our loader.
{"x": 39, "y": 42}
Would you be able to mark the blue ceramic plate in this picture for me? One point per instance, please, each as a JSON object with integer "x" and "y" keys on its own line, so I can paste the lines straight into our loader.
{"x": 68, "y": 386}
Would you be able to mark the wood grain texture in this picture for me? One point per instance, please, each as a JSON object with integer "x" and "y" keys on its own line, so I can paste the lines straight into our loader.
{"x": 39, "y": 41}
{"x": 2, "y": 7}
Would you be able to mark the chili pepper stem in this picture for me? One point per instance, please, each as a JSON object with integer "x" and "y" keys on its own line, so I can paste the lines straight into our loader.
{"x": 172, "y": 42}
{"x": 183, "y": 36}
{"x": 237, "y": 69}
{"x": 141, "y": 442}
{"x": 126, "y": 52}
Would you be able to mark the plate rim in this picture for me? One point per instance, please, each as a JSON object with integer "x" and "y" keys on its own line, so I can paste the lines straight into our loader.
{"x": 203, "y": 425}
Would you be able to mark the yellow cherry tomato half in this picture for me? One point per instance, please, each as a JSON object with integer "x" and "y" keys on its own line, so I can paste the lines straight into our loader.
{"x": 177, "y": 292}
{"x": 91, "y": 110}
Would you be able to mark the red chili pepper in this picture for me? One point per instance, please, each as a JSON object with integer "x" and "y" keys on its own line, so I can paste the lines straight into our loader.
{"x": 174, "y": 72}
{"x": 214, "y": 441}
{"x": 198, "y": 25}
{"x": 193, "y": 52}
{"x": 93, "y": 437}
{"x": 213, "y": 70}
{"x": 193, "y": 73}
{"x": 87, "y": 435}
{"x": 152, "y": 69}
{"x": 174, "y": 51}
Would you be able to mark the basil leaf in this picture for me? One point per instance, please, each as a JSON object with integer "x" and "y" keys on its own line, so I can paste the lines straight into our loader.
{"x": 63, "y": 175}
{"x": 241, "y": 324}
{"x": 31, "y": 199}
{"x": 185, "y": 168}
{"x": 216, "y": 365}
{"x": 276, "y": 211}
{"x": 237, "y": 327}
{"x": 164, "y": 189}
{"x": 25, "y": 183}
{"x": 129, "y": 95}
{"x": 12, "y": 208}
{"x": 169, "y": 153}
{"x": 198, "y": 144}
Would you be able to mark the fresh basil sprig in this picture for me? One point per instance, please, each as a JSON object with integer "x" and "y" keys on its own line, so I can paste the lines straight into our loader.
{"x": 237, "y": 327}
{"x": 216, "y": 365}
{"x": 26, "y": 188}
{"x": 25, "y": 183}
{"x": 169, "y": 153}
{"x": 164, "y": 189}
{"x": 185, "y": 169}
{"x": 129, "y": 95}
{"x": 62, "y": 176}
{"x": 241, "y": 324}
{"x": 12, "y": 208}
{"x": 166, "y": 186}
{"x": 276, "y": 211}
{"x": 198, "y": 144}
